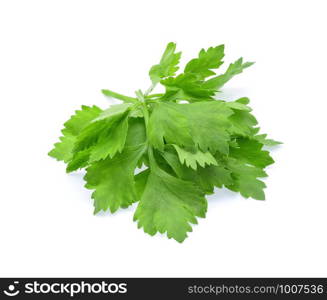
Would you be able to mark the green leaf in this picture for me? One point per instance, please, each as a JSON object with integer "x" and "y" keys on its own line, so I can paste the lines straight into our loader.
{"x": 242, "y": 123}
{"x": 250, "y": 151}
{"x": 207, "y": 60}
{"x": 246, "y": 179}
{"x": 140, "y": 182}
{"x": 113, "y": 178}
{"x": 262, "y": 138}
{"x": 203, "y": 125}
{"x": 167, "y": 66}
{"x": 189, "y": 85}
{"x": 235, "y": 68}
{"x": 238, "y": 106}
{"x": 104, "y": 136}
{"x": 186, "y": 87}
{"x": 205, "y": 178}
{"x": 113, "y": 111}
{"x": 62, "y": 150}
{"x": 111, "y": 143}
{"x": 79, "y": 160}
{"x": 169, "y": 204}
{"x": 243, "y": 100}
{"x": 168, "y": 122}
{"x": 73, "y": 127}
{"x": 192, "y": 157}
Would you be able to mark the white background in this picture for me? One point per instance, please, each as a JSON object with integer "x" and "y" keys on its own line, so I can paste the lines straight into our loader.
{"x": 57, "y": 55}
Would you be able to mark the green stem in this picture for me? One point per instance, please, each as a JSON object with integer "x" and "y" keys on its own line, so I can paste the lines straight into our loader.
{"x": 151, "y": 101}
{"x": 152, "y": 160}
{"x": 145, "y": 110}
{"x": 146, "y": 115}
{"x": 144, "y": 107}
{"x": 150, "y": 89}
{"x": 154, "y": 95}
{"x": 119, "y": 96}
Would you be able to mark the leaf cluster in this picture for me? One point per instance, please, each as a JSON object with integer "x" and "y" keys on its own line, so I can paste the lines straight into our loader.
{"x": 185, "y": 140}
